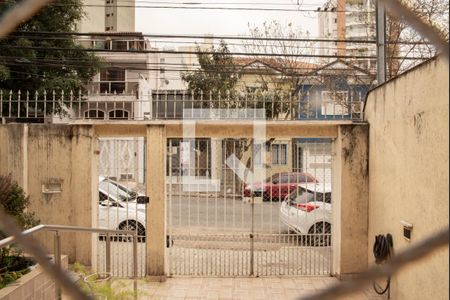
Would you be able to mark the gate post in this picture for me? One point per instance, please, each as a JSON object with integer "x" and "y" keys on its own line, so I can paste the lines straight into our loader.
{"x": 350, "y": 200}
{"x": 155, "y": 182}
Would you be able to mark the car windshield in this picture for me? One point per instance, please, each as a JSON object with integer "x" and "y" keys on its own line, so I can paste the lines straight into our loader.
{"x": 117, "y": 191}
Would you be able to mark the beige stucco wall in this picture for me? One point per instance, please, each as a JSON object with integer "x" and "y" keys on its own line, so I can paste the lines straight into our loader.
{"x": 409, "y": 177}
{"x": 350, "y": 200}
{"x": 38, "y": 155}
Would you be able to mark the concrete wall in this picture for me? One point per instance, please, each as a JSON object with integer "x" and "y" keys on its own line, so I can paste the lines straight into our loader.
{"x": 56, "y": 157}
{"x": 350, "y": 200}
{"x": 408, "y": 176}
{"x": 36, "y": 285}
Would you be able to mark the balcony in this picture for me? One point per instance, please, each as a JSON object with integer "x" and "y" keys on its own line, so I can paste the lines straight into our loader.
{"x": 113, "y": 88}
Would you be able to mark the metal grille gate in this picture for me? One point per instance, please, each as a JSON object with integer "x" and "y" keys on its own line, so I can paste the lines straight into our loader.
{"x": 122, "y": 203}
{"x": 277, "y": 222}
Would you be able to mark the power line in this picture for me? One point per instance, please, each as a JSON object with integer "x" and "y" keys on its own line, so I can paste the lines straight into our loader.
{"x": 203, "y": 52}
{"x": 217, "y": 3}
{"x": 192, "y": 7}
{"x": 167, "y": 66}
{"x": 184, "y": 36}
{"x": 218, "y": 37}
{"x": 31, "y": 37}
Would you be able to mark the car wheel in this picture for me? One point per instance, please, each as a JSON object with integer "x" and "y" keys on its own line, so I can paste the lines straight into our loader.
{"x": 132, "y": 225}
{"x": 320, "y": 234}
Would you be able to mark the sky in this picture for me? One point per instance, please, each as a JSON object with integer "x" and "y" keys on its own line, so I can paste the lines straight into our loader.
{"x": 223, "y": 22}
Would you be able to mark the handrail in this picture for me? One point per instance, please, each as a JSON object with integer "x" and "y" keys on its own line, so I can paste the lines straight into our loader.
{"x": 66, "y": 228}
{"x": 46, "y": 227}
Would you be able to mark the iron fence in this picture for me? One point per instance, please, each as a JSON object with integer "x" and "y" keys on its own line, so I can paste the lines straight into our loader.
{"x": 313, "y": 104}
{"x": 273, "y": 219}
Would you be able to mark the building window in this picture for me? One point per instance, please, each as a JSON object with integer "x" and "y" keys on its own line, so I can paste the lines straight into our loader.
{"x": 112, "y": 80}
{"x": 162, "y": 71}
{"x": 279, "y": 154}
{"x": 94, "y": 114}
{"x": 179, "y": 156}
{"x": 119, "y": 114}
{"x": 162, "y": 60}
{"x": 119, "y": 45}
{"x": 334, "y": 103}
{"x": 107, "y": 28}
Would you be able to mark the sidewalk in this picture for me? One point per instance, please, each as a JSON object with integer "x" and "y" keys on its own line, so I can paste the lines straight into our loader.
{"x": 241, "y": 288}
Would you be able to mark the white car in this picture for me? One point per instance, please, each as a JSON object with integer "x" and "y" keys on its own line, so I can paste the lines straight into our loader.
{"x": 118, "y": 209}
{"x": 307, "y": 210}
{"x": 123, "y": 191}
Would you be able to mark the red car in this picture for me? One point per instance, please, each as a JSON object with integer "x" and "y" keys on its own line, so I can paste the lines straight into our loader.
{"x": 279, "y": 185}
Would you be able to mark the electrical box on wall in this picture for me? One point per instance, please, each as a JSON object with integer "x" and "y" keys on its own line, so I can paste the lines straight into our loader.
{"x": 407, "y": 230}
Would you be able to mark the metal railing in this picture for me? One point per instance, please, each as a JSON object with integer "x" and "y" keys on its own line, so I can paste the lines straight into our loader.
{"x": 173, "y": 105}
{"x": 57, "y": 245}
{"x": 111, "y": 88}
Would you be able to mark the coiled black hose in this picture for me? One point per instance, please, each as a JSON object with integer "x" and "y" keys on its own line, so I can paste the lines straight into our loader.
{"x": 382, "y": 250}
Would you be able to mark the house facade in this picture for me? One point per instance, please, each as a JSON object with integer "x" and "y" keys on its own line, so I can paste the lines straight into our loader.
{"x": 334, "y": 91}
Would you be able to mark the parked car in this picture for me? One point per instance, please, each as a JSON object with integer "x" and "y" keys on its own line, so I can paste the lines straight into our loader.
{"x": 118, "y": 208}
{"x": 123, "y": 192}
{"x": 307, "y": 210}
{"x": 279, "y": 185}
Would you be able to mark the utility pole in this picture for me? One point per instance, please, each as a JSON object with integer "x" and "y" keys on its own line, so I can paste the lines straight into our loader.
{"x": 381, "y": 41}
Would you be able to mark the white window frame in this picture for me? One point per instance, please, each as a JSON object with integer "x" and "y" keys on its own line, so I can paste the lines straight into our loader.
{"x": 329, "y": 106}
{"x": 279, "y": 159}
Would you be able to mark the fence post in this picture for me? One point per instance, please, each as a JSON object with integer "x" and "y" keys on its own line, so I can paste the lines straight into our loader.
{"x": 135, "y": 264}
{"x": 57, "y": 258}
{"x": 108, "y": 253}
{"x": 155, "y": 215}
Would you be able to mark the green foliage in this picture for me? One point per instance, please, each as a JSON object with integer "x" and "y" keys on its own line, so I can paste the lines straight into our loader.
{"x": 111, "y": 289}
{"x": 31, "y": 69}
{"x": 14, "y": 202}
{"x": 17, "y": 263}
{"x": 217, "y": 73}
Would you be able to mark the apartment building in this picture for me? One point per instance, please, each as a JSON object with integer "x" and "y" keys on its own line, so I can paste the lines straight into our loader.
{"x": 348, "y": 20}
{"x": 107, "y": 15}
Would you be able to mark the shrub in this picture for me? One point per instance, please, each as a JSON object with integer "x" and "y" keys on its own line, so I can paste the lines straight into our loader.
{"x": 14, "y": 202}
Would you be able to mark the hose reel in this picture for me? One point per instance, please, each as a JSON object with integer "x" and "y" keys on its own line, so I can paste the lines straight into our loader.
{"x": 382, "y": 251}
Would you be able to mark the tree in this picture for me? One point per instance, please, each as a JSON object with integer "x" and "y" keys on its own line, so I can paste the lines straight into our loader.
{"x": 217, "y": 74}
{"x": 284, "y": 55}
{"x": 23, "y": 67}
{"x": 402, "y": 40}
{"x": 433, "y": 12}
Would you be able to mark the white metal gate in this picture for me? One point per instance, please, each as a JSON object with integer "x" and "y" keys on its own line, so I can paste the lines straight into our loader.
{"x": 272, "y": 219}
{"x": 122, "y": 204}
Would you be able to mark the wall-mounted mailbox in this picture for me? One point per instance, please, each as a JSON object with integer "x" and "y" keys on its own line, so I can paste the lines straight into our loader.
{"x": 52, "y": 188}
{"x": 407, "y": 230}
